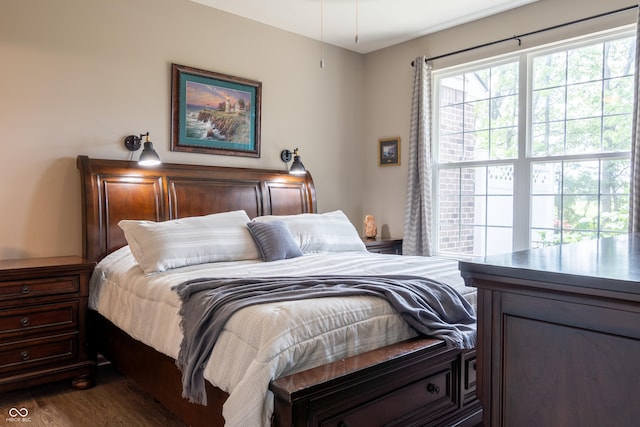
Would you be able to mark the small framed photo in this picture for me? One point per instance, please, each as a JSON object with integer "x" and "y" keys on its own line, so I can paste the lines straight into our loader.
{"x": 214, "y": 113}
{"x": 389, "y": 151}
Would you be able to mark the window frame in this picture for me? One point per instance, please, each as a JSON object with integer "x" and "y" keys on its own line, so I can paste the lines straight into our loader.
{"x": 522, "y": 190}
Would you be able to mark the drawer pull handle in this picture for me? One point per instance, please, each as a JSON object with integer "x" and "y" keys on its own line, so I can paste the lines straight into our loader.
{"x": 26, "y": 289}
{"x": 25, "y": 321}
{"x": 24, "y": 355}
{"x": 433, "y": 389}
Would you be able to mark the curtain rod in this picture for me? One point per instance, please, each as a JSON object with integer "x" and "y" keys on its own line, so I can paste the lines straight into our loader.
{"x": 518, "y": 37}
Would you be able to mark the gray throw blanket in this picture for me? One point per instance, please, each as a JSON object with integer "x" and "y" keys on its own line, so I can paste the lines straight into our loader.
{"x": 431, "y": 308}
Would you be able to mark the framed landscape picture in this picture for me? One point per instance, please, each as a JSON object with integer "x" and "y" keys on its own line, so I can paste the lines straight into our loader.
{"x": 389, "y": 151}
{"x": 214, "y": 113}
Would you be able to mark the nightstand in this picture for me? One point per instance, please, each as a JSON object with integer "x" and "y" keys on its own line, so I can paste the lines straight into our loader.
{"x": 385, "y": 245}
{"x": 43, "y": 322}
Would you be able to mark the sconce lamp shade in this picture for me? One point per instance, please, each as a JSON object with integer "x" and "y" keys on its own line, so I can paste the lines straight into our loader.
{"x": 149, "y": 156}
{"x": 297, "y": 168}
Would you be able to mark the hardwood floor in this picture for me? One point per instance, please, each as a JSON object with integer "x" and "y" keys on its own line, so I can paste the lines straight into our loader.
{"x": 114, "y": 401}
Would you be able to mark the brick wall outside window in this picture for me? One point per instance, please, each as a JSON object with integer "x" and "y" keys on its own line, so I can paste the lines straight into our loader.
{"x": 455, "y": 182}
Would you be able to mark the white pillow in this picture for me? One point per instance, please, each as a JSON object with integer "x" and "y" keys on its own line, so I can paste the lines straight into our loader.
{"x": 328, "y": 232}
{"x": 159, "y": 246}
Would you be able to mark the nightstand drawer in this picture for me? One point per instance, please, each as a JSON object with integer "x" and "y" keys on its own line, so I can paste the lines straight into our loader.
{"x": 29, "y": 319}
{"x": 383, "y": 246}
{"x": 39, "y": 287}
{"x": 30, "y": 353}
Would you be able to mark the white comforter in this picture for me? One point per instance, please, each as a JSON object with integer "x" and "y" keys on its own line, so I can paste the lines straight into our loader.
{"x": 266, "y": 341}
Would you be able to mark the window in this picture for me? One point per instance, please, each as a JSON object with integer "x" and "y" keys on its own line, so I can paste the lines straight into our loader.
{"x": 533, "y": 149}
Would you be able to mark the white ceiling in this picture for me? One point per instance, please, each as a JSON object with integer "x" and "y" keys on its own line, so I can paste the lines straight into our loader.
{"x": 380, "y": 23}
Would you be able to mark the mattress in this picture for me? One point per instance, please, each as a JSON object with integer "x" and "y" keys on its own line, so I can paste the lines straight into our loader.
{"x": 266, "y": 341}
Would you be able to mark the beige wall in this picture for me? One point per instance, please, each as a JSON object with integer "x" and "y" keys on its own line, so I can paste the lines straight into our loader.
{"x": 389, "y": 78}
{"x": 77, "y": 76}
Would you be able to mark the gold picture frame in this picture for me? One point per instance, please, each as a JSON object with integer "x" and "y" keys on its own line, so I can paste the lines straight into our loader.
{"x": 214, "y": 113}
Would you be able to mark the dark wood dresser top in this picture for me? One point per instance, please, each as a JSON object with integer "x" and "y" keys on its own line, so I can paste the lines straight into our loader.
{"x": 609, "y": 264}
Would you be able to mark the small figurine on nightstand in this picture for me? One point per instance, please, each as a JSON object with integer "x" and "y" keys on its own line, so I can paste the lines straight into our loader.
{"x": 370, "y": 229}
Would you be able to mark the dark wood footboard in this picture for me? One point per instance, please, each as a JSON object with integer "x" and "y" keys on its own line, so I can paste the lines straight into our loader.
{"x": 415, "y": 382}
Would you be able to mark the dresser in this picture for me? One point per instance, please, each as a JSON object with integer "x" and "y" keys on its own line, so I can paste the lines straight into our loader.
{"x": 43, "y": 315}
{"x": 559, "y": 334}
{"x": 386, "y": 245}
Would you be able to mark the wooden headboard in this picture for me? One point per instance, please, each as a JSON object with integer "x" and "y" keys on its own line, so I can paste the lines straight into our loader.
{"x": 113, "y": 190}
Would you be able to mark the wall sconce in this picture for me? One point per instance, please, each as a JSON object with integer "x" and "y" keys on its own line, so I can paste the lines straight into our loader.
{"x": 297, "y": 168}
{"x": 148, "y": 157}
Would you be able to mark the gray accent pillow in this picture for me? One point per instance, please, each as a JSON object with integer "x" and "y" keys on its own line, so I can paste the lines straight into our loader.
{"x": 274, "y": 240}
{"x": 320, "y": 233}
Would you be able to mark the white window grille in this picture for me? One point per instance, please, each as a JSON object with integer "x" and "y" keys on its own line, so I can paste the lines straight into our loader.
{"x": 533, "y": 149}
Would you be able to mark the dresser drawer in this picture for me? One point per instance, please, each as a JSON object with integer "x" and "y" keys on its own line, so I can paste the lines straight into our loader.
{"x": 31, "y": 319}
{"x": 31, "y": 353}
{"x": 38, "y": 287}
{"x": 435, "y": 391}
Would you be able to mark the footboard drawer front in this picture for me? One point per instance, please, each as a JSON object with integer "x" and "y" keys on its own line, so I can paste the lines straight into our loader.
{"x": 430, "y": 395}
{"x": 468, "y": 377}
{"x": 413, "y": 383}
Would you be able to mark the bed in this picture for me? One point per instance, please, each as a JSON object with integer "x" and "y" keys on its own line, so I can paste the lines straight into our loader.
{"x": 418, "y": 380}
